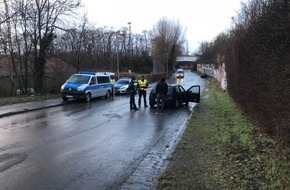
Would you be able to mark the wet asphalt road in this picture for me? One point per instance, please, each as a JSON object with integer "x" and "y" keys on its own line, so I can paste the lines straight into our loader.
{"x": 97, "y": 145}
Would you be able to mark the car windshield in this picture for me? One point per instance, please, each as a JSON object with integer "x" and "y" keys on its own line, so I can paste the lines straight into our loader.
{"x": 83, "y": 79}
{"x": 122, "y": 82}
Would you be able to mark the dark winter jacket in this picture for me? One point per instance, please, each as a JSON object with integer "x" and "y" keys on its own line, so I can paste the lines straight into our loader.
{"x": 162, "y": 87}
{"x": 132, "y": 88}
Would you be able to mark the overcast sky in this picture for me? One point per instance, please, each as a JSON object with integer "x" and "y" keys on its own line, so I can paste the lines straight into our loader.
{"x": 202, "y": 19}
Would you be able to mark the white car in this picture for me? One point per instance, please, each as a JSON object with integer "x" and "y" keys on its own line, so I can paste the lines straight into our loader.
{"x": 179, "y": 73}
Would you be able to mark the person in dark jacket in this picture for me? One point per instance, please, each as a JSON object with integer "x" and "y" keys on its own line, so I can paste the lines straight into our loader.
{"x": 161, "y": 91}
{"x": 132, "y": 91}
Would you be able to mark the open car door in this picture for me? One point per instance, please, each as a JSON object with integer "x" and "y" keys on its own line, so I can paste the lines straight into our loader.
{"x": 193, "y": 94}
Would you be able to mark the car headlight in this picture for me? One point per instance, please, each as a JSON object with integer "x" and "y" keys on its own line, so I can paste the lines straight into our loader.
{"x": 124, "y": 87}
{"x": 80, "y": 89}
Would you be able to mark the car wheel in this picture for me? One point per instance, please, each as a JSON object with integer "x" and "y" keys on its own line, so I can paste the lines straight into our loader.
{"x": 64, "y": 99}
{"x": 176, "y": 104}
{"x": 108, "y": 94}
{"x": 88, "y": 97}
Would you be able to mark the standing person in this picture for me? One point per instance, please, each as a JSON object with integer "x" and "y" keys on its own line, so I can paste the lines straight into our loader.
{"x": 132, "y": 91}
{"x": 161, "y": 91}
{"x": 112, "y": 81}
{"x": 142, "y": 86}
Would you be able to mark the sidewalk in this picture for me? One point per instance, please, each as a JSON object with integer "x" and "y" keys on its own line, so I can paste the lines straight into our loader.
{"x": 28, "y": 106}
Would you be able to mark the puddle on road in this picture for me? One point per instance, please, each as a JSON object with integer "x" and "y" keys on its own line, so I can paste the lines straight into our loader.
{"x": 8, "y": 160}
{"x": 112, "y": 116}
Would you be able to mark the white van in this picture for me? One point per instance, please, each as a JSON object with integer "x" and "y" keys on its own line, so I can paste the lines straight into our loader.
{"x": 86, "y": 85}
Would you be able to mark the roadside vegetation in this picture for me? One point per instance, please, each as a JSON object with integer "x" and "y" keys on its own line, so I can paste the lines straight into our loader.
{"x": 256, "y": 56}
{"x": 222, "y": 149}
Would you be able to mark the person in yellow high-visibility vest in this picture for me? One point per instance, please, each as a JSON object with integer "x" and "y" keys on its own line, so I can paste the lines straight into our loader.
{"x": 142, "y": 86}
{"x": 112, "y": 81}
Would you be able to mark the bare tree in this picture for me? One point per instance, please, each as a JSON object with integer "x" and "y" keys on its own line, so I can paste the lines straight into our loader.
{"x": 12, "y": 44}
{"x": 214, "y": 51}
{"x": 167, "y": 38}
{"x": 9, "y": 42}
{"x": 43, "y": 19}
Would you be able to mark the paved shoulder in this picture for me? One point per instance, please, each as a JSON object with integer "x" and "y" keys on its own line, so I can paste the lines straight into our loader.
{"x": 28, "y": 106}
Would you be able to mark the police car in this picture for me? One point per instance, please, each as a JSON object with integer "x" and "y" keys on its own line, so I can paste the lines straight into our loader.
{"x": 121, "y": 86}
{"x": 86, "y": 85}
{"x": 112, "y": 80}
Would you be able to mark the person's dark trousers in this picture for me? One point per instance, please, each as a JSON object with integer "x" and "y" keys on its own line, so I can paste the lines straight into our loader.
{"x": 112, "y": 91}
{"x": 142, "y": 93}
{"x": 132, "y": 102}
{"x": 160, "y": 102}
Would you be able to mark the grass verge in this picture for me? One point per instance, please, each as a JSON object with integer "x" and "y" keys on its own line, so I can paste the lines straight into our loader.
{"x": 22, "y": 99}
{"x": 222, "y": 149}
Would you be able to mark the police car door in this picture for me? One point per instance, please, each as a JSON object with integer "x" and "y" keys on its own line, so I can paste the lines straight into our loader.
{"x": 93, "y": 86}
{"x": 103, "y": 81}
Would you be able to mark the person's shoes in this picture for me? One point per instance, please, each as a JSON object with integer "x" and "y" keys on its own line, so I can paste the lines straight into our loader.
{"x": 157, "y": 113}
{"x": 135, "y": 109}
{"x": 146, "y": 106}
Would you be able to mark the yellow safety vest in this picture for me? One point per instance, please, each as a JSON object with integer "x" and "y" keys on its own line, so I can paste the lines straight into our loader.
{"x": 112, "y": 81}
{"x": 142, "y": 84}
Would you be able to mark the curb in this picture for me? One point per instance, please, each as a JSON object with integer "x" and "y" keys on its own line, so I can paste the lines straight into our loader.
{"x": 14, "y": 109}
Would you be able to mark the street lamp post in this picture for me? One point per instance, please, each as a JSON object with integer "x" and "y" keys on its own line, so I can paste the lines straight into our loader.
{"x": 167, "y": 63}
{"x": 118, "y": 68}
{"x": 118, "y": 33}
{"x": 130, "y": 42}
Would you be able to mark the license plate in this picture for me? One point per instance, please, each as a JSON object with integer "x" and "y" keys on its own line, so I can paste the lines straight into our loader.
{"x": 69, "y": 96}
